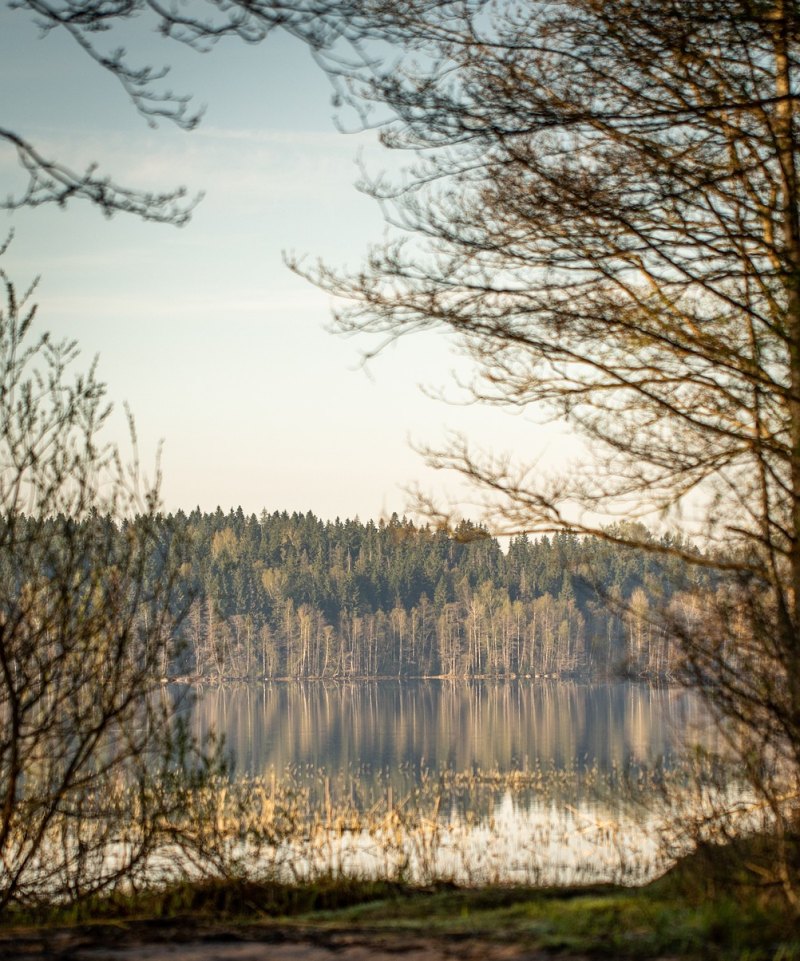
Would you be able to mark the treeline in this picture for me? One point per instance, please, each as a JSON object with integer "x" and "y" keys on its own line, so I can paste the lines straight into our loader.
{"x": 289, "y": 595}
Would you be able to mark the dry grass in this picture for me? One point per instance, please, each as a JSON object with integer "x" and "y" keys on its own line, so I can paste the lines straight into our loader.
{"x": 564, "y": 826}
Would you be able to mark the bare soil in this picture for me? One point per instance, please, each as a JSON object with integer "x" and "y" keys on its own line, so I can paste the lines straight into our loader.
{"x": 152, "y": 941}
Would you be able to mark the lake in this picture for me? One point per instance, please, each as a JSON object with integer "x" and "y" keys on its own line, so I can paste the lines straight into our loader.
{"x": 457, "y": 725}
{"x": 525, "y": 780}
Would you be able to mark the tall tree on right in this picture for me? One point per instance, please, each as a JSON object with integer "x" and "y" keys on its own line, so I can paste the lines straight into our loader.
{"x": 604, "y": 207}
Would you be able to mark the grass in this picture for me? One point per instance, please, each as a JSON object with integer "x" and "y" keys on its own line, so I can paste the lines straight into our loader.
{"x": 599, "y": 922}
{"x": 663, "y": 919}
{"x": 720, "y": 903}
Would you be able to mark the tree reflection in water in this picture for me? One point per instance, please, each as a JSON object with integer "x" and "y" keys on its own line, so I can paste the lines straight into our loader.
{"x": 434, "y": 726}
{"x": 543, "y": 781}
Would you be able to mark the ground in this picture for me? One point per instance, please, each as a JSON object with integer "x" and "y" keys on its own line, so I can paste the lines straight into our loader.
{"x": 686, "y": 916}
{"x": 189, "y": 942}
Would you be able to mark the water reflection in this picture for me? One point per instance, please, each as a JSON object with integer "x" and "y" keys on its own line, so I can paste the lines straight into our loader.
{"x": 472, "y": 782}
{"x": 438, "y": 725}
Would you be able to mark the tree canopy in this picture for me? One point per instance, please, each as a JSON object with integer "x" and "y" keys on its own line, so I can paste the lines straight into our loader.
{"x": 290, "y": 595}
{"x": 100, "y": 30}
{"x": 88, "y": 617}
{"x": 603, "y": 205}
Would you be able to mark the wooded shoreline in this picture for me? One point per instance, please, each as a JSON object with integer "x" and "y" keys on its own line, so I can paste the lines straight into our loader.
{"x": 291, "y": 596}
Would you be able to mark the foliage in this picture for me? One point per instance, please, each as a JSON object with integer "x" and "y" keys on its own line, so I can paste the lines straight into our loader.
{"x": 291, "y": 595}
{"x": 87, "y": 627}
{"x": 100, "y": 31}
{"x": 604, "y": 209}
{"x": 592, "y": 921}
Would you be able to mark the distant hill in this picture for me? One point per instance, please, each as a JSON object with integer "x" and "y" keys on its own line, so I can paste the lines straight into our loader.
{"x": 289, "y": 595}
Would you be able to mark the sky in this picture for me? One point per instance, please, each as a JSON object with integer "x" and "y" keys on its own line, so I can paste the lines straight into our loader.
{"x": 224, "y": 356}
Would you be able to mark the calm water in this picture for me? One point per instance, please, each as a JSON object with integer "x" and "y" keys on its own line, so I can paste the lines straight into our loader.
{"x": 479, "y": 748}
{"x": 444, "y": 725}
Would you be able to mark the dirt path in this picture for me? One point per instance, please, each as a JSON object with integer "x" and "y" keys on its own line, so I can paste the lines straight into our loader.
{"x": 110, "y": 943}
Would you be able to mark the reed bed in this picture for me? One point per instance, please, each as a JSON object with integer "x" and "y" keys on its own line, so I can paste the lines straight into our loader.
{"x": 575, "y": 824}
{"x": 534, "y": 825}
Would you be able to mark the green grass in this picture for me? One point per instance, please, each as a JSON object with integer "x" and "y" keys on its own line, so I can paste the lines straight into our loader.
{"x": 709, "y": 906}
{"x": 601, "y": 922}
{"x": 221, "y": 900}
{"x": 657, "y": 921}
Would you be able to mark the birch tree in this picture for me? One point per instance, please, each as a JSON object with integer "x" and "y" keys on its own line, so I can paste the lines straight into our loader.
{"x": 604, "y": 209}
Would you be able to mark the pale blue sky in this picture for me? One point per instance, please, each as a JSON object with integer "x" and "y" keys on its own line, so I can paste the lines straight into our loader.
{"x": 219, "y": 350}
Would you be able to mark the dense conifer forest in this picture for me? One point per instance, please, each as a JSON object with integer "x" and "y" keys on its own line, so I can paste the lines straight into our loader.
{"x": 290, "y": 595}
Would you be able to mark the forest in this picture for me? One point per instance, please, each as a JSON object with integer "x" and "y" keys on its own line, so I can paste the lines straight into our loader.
{"x": 291, "y": 595}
